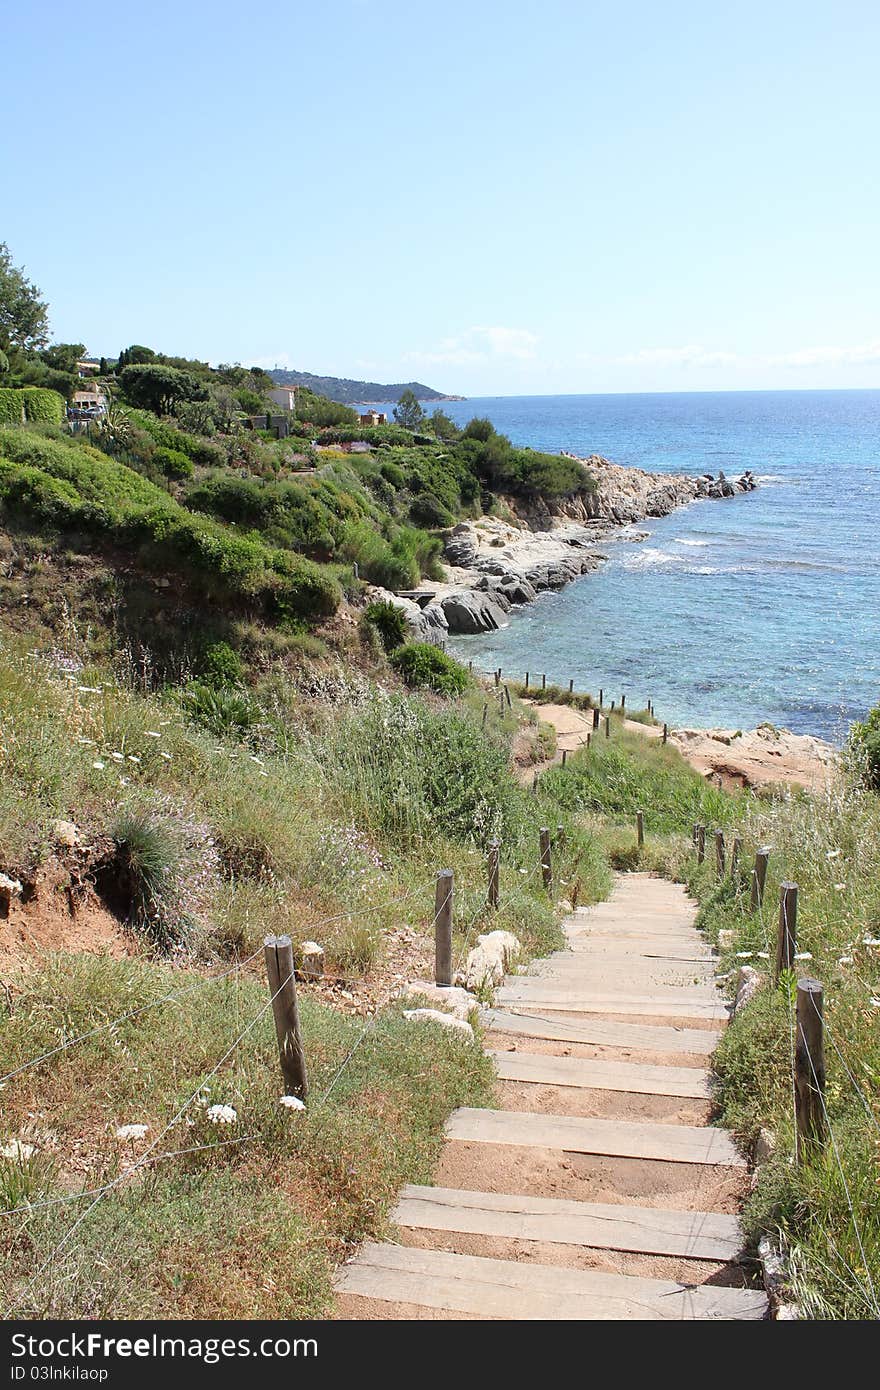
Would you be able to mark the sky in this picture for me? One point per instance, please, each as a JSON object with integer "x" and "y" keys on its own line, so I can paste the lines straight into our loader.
{"x": 496, "y": 199}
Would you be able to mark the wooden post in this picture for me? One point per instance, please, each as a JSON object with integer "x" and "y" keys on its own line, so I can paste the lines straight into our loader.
{"x": 665, "y": 732}
{"x": 809, "y": 1069}
{"x": 443, "y": 928}
{"x": 607, "y": 727}
{"x": 701, "y": 843}
{"x": 623, "y": 704}
{"x": 546, "y": 863}
{"x": 485, "y": 712}
{"x": 470, "y": 668}
{"x": 612, "y": 706}
{"x": 498, "y": 676}
{"x": 571, "y": 687}
{"x": 786, "y": 936}
{"x": 494, "y": 870}
{"x": 759, "y": 878}
{"x": 527, "y": 680}
{"x": 278, "y": 954}
{"x": 640, "y": 828}
{"x": 589, "y": 737}
{"x": 501, "y": 703}
{"x": 601, "y": 697}
{"x": 564, "y": 756}
{"x": 734, "y": 856}
{"x": 544, "y": 681}
{"x": 507, "y": 693}
{"x": 596, "y": 718}
{"x": 694, "y": 834}
{"x": 719, "y": 852}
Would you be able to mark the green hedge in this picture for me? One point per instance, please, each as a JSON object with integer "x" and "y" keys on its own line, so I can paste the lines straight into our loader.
{"x": 73, "y": 486}
{"x": 33, "y": 403}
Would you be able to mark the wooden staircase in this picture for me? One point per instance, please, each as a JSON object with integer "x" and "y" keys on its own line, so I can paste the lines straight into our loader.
{"x": 598, "y": 1190}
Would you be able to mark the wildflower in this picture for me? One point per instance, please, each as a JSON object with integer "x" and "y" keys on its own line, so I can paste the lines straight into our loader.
{"x": 133, "y": 758}
{"x": 845, "y": 960}
{"x": 871, "y": 940}
{"x": 221, "y": 1114}
{"x": 763, "y": 955}
{"x": 124, "y": 781}
{"x": 88, "y": 742}
{"x": 744, "y": 955}
{"x": 151, "y": 733}
{"x": 803, "y": 955}
{"x": 166, "y": 756}
{"x": 99, "y": 766}
{"x": 833, "y": 854}
{"x": 118, "y": 757}
{"x": 292, "y": 1103}
{"x": 89, "y": 689}
{"x": 16, "y": 1148}
{"x": 839, "y": 887}
{"x": 874, "y": 1002}
{"x": 132, "y": 1131}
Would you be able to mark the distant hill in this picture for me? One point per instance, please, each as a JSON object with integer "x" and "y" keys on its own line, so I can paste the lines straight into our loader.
{"x": 340, "y": 388}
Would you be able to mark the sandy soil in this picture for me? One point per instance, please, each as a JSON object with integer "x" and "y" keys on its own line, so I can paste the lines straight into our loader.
{"x": 754, "y": 758}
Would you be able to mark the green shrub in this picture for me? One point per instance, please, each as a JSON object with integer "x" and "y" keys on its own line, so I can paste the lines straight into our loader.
{"x": 173, "y": 463}
{"x": 421, "y": 664}
{"x": 222, "y": 710}
{"x": 864, "y": 746}
{"x": 389, "y": 621}
{"x": 221, "y": 666}
{"x": 427, "y": 510}
{"x": 144, "y": 877}
{"x": 42, "y": 406}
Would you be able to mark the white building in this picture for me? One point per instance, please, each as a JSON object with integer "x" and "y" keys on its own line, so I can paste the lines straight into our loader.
{"x": 285, "y": 396}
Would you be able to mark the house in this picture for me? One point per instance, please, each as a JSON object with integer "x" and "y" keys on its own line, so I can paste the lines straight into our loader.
{"x": 374, "y": 417}
{"x": 87, "y": 403}
{"x": 86, "y": 367}
{"x": 285, "y": 396}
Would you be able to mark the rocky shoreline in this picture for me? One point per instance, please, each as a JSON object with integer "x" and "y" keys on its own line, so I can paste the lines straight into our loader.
{"x": 492, "y": 565}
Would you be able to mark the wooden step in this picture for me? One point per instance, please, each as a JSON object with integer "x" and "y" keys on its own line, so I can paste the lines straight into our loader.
{"x": 695, "y": 1235}
{"x": 537, "y": 994}
{"x": 638, "y": 1037}
{"x": 509, "y": 1289}
{"x": 612, "y": 1138}
{"x": 638, "y": 1077}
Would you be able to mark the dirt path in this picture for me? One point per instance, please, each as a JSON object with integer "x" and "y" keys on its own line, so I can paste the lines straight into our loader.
{"x": 597, "y": 1189}
{"x": 755, "y": 758}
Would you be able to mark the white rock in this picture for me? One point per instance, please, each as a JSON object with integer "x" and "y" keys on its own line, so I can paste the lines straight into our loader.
{"x": 311, "y": 960}
{"x": 435, "y": 1016}
{"x": 765, "y": 1145}
{"x": 9, "y": 885}
{"x": 749, "y": 981}
{"x": 66, "y": 833}
{"x": 448, "y": 997}
{"x": 491, "y": 958}
{"x": 17, "y": 1149}
{"x": 726, "y": 939}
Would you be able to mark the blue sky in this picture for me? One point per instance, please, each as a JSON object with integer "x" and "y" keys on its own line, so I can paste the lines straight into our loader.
{"x": 494, "y": 198}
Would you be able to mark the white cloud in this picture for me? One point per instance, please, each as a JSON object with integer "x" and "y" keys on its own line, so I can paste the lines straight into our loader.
{"x": 691, "y": 355}
{"x": 866, "y": 353}
{"x": 481, "y": 343}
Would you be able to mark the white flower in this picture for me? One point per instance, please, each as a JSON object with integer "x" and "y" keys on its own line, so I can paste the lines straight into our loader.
{"x": 99, "y": 766}
{"x": 132, "y": 1131}
{"x": 839, "y": 887}
{"x": 88, "y": 742}
{"x": 133, "y": 758}
{"x": 151, "y": 733}
{"x": 874, "y": 1002}
{"x": 166, "y": 756}
{"x": 871, "y": 940}
{"x": 744, "y": 955}
{"x": 832, "y": 854}
{"x": 292, "y": 1103}
{"x": 803, "y": 955}
{"x": 845, "y": 960}
{"x": 221, "y": 1114}
{"x": 16, "y": 1148}
{"x": 89, "y": 689}
{"x": 763, "y": 955}
{"x": 118, "y": 757}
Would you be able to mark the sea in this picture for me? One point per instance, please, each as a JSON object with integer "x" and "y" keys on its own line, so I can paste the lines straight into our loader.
{"x": 764, "y": 606}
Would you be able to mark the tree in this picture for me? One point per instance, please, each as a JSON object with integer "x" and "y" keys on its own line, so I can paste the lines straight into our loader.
{"x": 63, "y": 357}
{"x": 159, "y": 388}
{"x": 408, "y": 412}
{"x": 24, "y": 315}
{"x": 443, "y": 426}
{"x": 136, "y": 355}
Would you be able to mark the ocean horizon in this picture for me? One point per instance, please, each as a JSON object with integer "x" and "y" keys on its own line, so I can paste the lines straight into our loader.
{"x": 762, "y": 607}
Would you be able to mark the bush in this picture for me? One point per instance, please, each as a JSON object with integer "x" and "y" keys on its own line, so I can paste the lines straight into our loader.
{"x": 144, "y": 877}
{"x": 31, "y": 403}
{"x": 389, "y": 621}
{"x": 427, "y": 510}
{"x": 222, "y": 710}
{"x": 173, "y": 463}
{"x": 421, "y": 664}
{"x": 864, "y": 744}
{"x": 221, "y": 666}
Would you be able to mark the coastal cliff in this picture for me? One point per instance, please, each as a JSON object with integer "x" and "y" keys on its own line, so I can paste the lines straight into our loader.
{"x": 491, "y": 564}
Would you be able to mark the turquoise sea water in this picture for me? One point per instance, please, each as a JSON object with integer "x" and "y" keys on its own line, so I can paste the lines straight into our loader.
{"x": 765, "y": 606}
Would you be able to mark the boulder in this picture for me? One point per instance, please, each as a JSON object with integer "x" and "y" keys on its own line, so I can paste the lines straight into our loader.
{"x": 517, "y": 588}
{"x": 460, "y": 547}
{"x": 434, "y": 619}
{"x": 449, "y": 997}
{"x": 468, "y": 612}
{"x": 311, "y": 960}
{"x": 456, "y": 1025}
{"x": 490, "y": 959}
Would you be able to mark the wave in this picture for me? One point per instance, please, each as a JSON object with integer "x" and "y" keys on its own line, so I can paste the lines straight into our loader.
{"x": 681, "y": 540}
